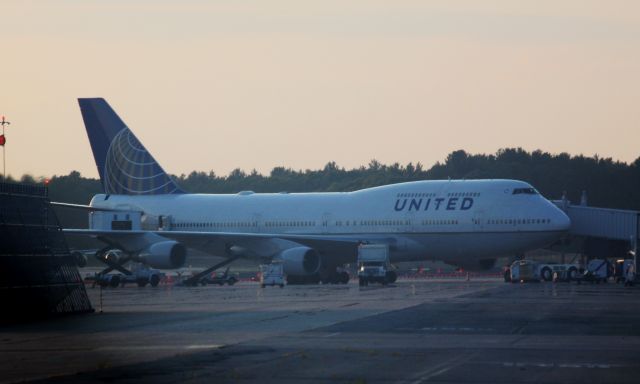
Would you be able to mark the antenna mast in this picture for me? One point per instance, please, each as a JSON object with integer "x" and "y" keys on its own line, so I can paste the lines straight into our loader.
{"x": 3, "y": 141}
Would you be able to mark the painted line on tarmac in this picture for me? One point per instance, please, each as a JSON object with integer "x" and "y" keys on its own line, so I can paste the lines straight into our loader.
{"x": 159, "y": 347}
{"x": 441, "y": 368}
{"x": 519, "y": 364}
{"x": 456, "y": 329}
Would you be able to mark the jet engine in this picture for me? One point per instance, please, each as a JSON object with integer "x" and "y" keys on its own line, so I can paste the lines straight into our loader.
{"x": 165, "y": 255}
{"x": 300, "y": 261}
{"x": 80, "y": 258}
{"x": 110, "y": 256}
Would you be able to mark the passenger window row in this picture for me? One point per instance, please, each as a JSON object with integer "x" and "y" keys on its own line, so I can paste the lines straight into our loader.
{"x": 517, "y": 221}
{"x": 525, "y": 191}
{"x": 463, "y": 194}
{"x": 290, "y": 224}
{"x": 228, "y": 224}
{"x": 439, "y": 222}
{"x": 416, "y": 194}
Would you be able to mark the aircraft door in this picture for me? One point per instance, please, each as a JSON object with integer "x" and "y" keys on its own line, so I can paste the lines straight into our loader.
{"x": 325, "y": 223}
{"x": 256, "y": 223}
{"x": 411, "y": 222}
{"x": 479, "y": 220}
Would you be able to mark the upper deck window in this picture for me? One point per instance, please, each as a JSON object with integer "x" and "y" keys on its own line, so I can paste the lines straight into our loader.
{"x": 525, "y": 191}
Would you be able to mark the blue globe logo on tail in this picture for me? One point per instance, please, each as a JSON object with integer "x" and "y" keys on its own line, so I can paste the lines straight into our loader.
{"x": 124, "y": 164}
{"x": 130, "y": 169}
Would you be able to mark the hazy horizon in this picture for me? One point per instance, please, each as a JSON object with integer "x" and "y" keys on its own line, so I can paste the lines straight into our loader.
{"x": 267, "y": 173}
{"x": 255, "y": 85}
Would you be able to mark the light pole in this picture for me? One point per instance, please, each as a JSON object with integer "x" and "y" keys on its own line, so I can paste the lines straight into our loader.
{"x": 3, "y": 122}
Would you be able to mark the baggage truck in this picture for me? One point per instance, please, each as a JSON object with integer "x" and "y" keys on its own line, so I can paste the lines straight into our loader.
{"x": 272, "y": 274}
{"x": 374, "y": 265}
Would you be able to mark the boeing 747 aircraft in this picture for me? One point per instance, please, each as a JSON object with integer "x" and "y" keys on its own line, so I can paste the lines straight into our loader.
{"x": 468, "y": 223}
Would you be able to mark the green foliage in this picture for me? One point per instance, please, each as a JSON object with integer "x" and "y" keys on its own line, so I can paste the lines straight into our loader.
{"x": 609, "y": 183}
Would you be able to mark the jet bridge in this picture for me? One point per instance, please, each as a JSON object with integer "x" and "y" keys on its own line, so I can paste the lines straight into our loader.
{"x": 604, "y": 232}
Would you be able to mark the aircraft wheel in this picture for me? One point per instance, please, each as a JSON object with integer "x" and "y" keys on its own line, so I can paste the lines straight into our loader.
{"x": 391, "y": 277}
{"x": 154, "y": 280}
{"x": 115, "y": 281}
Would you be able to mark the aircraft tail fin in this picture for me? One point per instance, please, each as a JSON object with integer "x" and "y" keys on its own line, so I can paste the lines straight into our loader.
{"x": 124, "y": 164}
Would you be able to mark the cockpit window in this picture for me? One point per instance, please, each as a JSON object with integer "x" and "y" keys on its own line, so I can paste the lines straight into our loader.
{"x": 525, "y": 191}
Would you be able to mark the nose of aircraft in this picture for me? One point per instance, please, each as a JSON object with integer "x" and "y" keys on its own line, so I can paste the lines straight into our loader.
{"x": 561, "y": 221}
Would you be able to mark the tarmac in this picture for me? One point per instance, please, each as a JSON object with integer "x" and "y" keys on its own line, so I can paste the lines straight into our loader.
{"x": 417, "y": 330}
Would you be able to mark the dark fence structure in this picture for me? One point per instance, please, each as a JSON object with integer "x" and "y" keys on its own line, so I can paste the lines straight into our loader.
{"x": 38, "y": 276}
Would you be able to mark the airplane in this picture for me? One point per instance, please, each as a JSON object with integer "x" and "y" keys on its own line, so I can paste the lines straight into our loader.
{"x": 468, "y": 223}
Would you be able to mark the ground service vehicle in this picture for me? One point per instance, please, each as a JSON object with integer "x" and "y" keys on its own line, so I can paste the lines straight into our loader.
{"x": 560, "y": 272}
{"x": 374, "y": 265}
{"x": 529, "y": 270}
{"x": 272, "y": 274}
{"x": 524, "y": 270}
{"x": 140, "y": 275}
{"x": 597, "y": 272}
{"x": 620, "y": 269}
{"x": 223, "y": 279}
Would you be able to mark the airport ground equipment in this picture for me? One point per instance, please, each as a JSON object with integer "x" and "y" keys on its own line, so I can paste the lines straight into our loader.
{"x": 533, "y": 271}
{"x": 272, "y": 274}
{"x": 141, "y": 275}
{"x": 620, "y": 269}
{"x": 221, "y": 280}
{"x": 559, "y": 272}
{"x": 374, "y": 265}
{"x": 601, "y": 232}
{"x": 597, "y": 271}
{"x": 197, "y": 278}
{"x": 38, "y": 274}
{"x": 524, "y": 271}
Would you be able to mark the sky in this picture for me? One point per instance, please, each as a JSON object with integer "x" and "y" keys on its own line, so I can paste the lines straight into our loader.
{"x": 219, "y": 85}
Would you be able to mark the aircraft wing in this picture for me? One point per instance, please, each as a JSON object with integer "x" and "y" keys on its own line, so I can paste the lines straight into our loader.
{"x": 87, "y": 208}
{"x": 344, "y": 249}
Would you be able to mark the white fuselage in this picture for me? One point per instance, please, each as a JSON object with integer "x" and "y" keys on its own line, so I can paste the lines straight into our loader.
{"x": 454, "y": 221}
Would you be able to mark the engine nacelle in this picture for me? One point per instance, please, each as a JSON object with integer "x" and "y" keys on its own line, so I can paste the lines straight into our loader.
{"x": 300, "y": 261}
{"x": 165, "y": 255}
{"x": 477, "y": 265}
{"x": 110, "y": 256}
{"x": 80, "y": 258}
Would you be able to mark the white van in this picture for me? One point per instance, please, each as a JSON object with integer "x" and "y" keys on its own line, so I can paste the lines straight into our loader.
{"x": 272, "y": 274}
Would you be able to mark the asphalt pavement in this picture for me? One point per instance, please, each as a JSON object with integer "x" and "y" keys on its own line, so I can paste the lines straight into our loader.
{"x": 450, "y": 330}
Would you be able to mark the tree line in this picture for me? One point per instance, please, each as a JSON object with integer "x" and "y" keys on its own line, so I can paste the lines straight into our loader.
{"x": 609, "y": 183}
